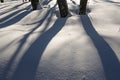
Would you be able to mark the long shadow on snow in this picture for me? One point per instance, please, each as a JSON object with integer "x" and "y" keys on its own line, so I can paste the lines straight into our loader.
{"x": 3, "y": 8}
{"x": 109, "y": 60}
{"x": 8, "y": 66}
{"x": 46, "y": 2}
{"x": 113, "y": 2}
{"x": 12, "y": 14}
{"x": 73, "y": 2}
{"x": 27, "y": 67}
{"x": 14, "y": 17}
{"x": 11, "y": 9}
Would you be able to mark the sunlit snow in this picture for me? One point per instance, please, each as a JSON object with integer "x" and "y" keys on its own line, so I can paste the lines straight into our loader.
{"x": 40, "y": 45}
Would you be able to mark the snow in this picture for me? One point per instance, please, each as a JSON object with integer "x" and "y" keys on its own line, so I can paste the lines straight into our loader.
{"x": 39, "y": 45}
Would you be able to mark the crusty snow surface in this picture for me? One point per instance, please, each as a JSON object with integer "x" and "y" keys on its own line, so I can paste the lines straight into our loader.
{"x": 39, "y": 45}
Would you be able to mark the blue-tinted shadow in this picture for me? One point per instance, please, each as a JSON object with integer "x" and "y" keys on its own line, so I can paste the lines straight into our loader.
{"x": 108, "y": 57}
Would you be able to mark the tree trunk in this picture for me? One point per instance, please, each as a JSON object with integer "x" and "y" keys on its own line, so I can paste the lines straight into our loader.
{"x": 2, "y": 1}
{"x": 34, "y": 4}
{"x": 63, "y": 7}
{"x": 83, "y": 4}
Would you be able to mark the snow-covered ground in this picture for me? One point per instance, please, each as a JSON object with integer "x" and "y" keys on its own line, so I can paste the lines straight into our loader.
{"x": 39, "y": 45}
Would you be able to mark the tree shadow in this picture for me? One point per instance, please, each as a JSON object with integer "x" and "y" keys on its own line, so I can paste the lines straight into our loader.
{"x": 27, "y": 67}
{"x": 108, "y": 1}
{"x": 74, "y": 2}
{"x": 114, "y": 2}
{"x": 14, "y": 17}
{"x": 108, "y": 57}
{"x": 11, "y": 9}
{"x": 34, "y": 49}
{"x": 46, "y": 2}
{"x": 3, "y": 7}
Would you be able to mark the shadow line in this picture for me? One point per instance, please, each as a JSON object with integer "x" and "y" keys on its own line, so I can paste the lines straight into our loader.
{"x": 3, "y": 8}
{"x": 11, "y": 9}
{"x": 46, "y": 2}
{"x": 22, "y": 42}
{"x": 14, "y": 17}
{"x": 108, "y": 57}
{"x": 27, "y": 67}
{"x": 74, "y": 2}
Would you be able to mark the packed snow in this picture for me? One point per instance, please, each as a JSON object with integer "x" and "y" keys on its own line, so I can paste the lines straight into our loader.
{"x": 40, "y": 45}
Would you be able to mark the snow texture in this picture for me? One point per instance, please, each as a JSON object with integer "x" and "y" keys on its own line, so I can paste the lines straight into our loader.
{"x": 40, "y": 45}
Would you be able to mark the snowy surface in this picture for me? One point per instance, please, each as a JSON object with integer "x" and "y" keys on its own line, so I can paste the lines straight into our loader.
{"x": 39, "y": 45}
